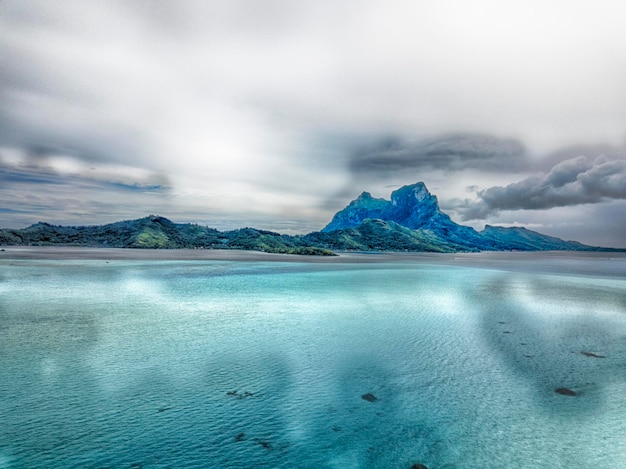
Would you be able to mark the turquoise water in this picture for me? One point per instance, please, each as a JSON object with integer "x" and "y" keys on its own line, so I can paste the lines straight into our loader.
{"x": 265, "y": 364}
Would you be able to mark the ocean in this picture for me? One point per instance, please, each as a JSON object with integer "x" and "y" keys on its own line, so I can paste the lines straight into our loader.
{"x": 236, "y": 360}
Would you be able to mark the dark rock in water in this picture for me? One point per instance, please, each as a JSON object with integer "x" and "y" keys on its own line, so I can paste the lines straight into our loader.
{"x": 566, "y": 392}
{"x": 419, "y": 466}
{"x": 593, "y": 355}
{"x": 266, "y": 444}
{"x": 238, "y": 395}
{"x": 240, "y": 436}
{"x": 369, "y": 397}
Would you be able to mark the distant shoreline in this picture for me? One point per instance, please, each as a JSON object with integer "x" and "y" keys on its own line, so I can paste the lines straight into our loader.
{"x": 97, "y": 253}
{"x": 439, "y": 235}
{"x": 141, "y": 254}
{"x": 147, "y": 254}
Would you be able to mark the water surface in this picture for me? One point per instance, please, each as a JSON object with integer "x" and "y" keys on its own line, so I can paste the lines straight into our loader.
{"x": 111, "y": 362}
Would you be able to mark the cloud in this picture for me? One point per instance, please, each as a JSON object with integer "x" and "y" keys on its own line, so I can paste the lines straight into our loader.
{"x": 449, "y": 153}
{"x": 61, "y": 189}
{"x": 610, "y": 152}
{"x": 50, "y": 165}
{"x": 572, "y": 182}
{"x": 257, "y": 112}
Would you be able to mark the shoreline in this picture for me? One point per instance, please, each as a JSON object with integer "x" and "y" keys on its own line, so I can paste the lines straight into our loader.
{"x": 562, "y": 263}
{"x": 98, "y": 253}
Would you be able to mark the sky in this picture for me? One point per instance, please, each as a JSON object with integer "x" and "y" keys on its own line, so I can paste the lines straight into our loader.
{"x": 277, "y": 113}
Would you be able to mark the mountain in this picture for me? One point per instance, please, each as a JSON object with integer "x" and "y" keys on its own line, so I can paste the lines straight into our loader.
{"x": 415, "y": 208}
{"x": 360, "y": 209}
{"x": 410, "y": 206}
{"x": 410, "y": 221}
{"x": 522, "y": 239}
{"x": 379, "y": 235}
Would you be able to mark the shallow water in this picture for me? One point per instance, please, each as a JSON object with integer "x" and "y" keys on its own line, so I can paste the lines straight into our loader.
{"x": 216, "y": 363}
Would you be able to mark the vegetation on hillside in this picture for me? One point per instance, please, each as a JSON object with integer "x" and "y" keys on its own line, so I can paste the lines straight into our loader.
{"x": 155, "y": 232}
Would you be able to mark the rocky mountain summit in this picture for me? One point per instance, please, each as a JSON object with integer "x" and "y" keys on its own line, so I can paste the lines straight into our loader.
{"x": 410, "y": 206}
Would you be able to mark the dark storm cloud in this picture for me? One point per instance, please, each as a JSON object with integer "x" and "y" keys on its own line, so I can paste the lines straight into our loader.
{"x": 572, "y": 182}
{"x": 610, "y": 152}
{"x": 452, "y": 152}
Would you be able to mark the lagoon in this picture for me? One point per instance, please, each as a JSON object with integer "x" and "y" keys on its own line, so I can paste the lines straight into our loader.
{"x": 118, "y": 358}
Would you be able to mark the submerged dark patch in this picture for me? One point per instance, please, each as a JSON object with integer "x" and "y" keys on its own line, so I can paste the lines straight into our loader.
{"x": 369, "y": 397}
{"x": 593, "y": 355}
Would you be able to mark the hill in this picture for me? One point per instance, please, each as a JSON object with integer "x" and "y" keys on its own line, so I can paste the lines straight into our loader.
{"x": 410, "y": 221}
{"x": 155, "y": 232}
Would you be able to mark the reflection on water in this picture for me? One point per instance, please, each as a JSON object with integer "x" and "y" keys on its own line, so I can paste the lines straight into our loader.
{"x": 555, "y": 333}
{"x": 137, "y": 363}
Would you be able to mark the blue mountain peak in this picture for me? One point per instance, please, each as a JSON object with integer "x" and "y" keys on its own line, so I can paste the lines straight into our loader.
{"x": 411, "y": 206}
{"x": 417, "y": 191}
{"x": 363, "y": 207}
{"x": 364, "y": 199}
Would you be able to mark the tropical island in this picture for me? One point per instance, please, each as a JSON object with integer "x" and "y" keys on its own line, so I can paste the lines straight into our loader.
{"x": 410, "y": 221}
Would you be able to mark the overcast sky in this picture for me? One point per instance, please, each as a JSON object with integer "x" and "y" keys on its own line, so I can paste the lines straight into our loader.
{"x": 275, "y": 114}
